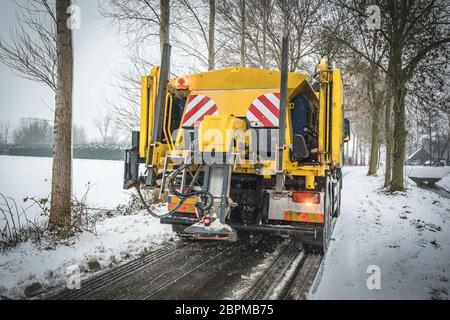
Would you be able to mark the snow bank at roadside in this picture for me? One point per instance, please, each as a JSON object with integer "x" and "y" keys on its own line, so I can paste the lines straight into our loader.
{"x": 444, "y": 183}
{"x": 426, "y": 172}
{"x": 118, "y": 239}
{"x": 407, "y": 235}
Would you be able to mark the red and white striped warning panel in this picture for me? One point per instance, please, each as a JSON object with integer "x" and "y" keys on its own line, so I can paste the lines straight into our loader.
{"x": 197, "y": 108}
{"x": 264, "y": 111}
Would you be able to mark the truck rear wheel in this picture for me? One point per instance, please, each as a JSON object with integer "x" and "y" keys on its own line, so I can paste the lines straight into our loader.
{"x": 337, "y": 210}
{"x": 328, "y": 215}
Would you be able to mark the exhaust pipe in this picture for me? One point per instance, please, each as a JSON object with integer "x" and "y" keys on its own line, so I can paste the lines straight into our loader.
{"x": 279, "y": 186}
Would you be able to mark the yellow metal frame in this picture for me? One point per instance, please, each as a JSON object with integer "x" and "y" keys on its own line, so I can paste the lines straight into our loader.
{"x": 233, "y": 90}
{"x": 149, "y": 85}
{"x": 168, "y": 113}
{"x": 217, "y": 133}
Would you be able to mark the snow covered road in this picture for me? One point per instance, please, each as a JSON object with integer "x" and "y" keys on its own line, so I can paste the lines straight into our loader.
{"x": 118, "y": 240}
{"x": 406, "y": 235}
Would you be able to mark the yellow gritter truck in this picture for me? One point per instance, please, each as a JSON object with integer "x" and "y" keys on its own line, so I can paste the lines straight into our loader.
{"x": 242, "y": 149}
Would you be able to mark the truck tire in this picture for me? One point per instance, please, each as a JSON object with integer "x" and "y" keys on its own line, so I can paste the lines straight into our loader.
{"x": 328, "y": 216}
{"x": 337, "y": 212}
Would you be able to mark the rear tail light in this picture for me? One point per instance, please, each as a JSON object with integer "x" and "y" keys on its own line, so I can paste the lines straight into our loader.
{"x": 307, "y": 198}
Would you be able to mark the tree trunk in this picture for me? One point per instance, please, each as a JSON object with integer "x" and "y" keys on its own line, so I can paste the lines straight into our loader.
{"x": 430, "y": 136}
{"x": 346, "y": 158}
{"x": 389, "y": 142}
{"x": 361, "y": 154}
{"x": 448, "y": 137}
{"x": 375, "y": 141}
{"x": 397, "y": 182}
{"x": 243, "y": 27}
{"x": 355, "y": 138}
{"x": 212, "y": 24}
{"x": 164, "y": 23}
{"x": 60, "y": 210}
{"x": 264, "y": 31}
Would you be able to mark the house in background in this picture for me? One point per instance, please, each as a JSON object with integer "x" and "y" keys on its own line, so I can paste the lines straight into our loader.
{"x": 419, "y": 157}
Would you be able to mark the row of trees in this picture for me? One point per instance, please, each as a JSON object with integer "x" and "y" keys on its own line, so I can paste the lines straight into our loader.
{"x": 34, "y": 132}
{"x": 430, "y": 130}
{"x": 31, "y": 132}
{"x": 209, "y": 34}
{"x": 41, "y": 49}
{"x": 406, "y": 58}
{"x": 394, "y": 55}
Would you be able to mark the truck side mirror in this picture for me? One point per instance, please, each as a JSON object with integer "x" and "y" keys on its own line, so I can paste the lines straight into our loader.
{"x": 346, "y": 130}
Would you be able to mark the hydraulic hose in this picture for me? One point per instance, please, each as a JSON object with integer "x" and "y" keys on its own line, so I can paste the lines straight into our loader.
{"x": 205, "y": 205}
{"x": 154, "y": 215}
{"x": 191, "y": 185}
{"x": 207, "y": 200}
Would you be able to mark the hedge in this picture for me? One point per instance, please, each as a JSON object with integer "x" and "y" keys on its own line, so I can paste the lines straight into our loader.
{"x": 90, "y": 151}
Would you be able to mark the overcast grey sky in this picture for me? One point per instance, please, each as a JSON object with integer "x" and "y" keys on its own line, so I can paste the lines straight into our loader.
{"x": 98, "y": 52}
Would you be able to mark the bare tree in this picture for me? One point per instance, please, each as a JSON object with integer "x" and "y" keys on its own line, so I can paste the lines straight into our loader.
{"x": 196, "y": 39}
{"x": 419, "y": 34}
{"x": 232, "y": 24}
{"x": 193, "y": 35}
{"x": 79, "y": 135}
{"x": 142, "y": 20}
{"x": 60, "y": 210}
{"x": 414, "y": 34}
{"x": 357, "y": 106}
{"x": 371, "y": 50}
{"x": 261, "y": 24}
{"x": 4, "y": 132}
{"x": 32, "y": 132}
{"x": 31, "y": 53}
{"x": 211, "y": 35}
{"x": 164, "y": 18}
{"x": 124, "y": 105}
{"x": 41, "y": 50}
{"x": 301, "y": 23}
{"x": 242, "y": 15}
{"x": 106, "y": 128}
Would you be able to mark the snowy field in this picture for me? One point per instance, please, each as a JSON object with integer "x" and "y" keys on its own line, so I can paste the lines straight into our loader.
{"x": 406, "y": 235}
{"x": 22, "y": 177}
{"x": 117, "y": 239}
